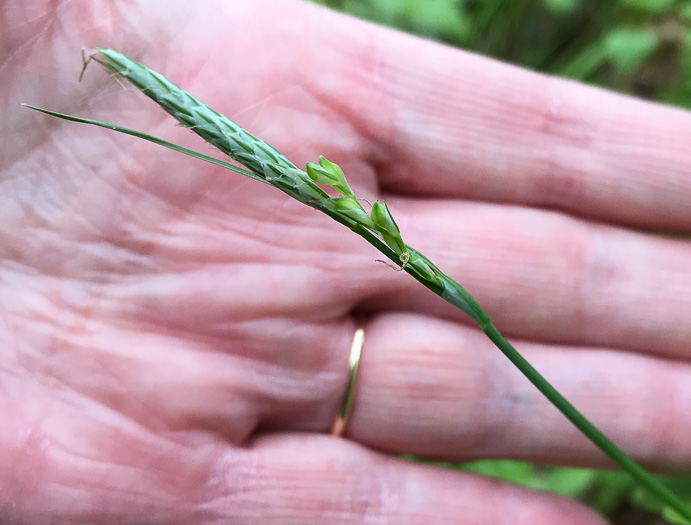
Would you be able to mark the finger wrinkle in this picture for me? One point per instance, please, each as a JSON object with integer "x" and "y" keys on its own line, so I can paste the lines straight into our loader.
{"x": 564, "y": 157}
{"x": 664, "y": 408}
{"x": 116, "y": 471}
{"x": 26, "y": 463}
{"x": 297, "y": 483}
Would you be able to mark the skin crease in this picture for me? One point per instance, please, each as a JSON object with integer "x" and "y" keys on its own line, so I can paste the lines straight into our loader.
{"x": 174, "y": 338}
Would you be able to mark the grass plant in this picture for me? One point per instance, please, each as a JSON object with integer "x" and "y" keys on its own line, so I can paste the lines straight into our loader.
{"x": 377, "y": 226}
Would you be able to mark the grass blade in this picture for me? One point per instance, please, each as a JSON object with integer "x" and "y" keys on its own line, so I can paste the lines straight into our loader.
{"x": 150, "y": 138}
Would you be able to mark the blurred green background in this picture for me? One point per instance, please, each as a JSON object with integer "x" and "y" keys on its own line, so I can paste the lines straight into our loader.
{"x": 640, "y": 47}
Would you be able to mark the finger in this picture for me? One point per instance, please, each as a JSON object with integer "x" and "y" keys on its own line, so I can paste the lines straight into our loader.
{"x": 353, "y": 485}
{"x": 545, "y": 276}
{"x": 129, "y": 476}
{"x": 443, "y": 122}
{"x": 440, "y": 390}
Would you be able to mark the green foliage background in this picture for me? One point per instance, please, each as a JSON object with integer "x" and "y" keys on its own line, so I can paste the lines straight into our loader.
{"x": 640, "y": 47}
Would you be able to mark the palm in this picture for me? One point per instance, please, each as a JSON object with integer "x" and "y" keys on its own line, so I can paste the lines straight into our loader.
{"x": 166, "y": 315}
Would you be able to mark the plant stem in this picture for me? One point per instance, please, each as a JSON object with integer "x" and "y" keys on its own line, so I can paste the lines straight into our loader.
{"x": 584, "y": 425}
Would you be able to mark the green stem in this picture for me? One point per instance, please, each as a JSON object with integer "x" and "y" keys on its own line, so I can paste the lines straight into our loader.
{"x": 585, "y": 426}
{"x": 568, "y": 410}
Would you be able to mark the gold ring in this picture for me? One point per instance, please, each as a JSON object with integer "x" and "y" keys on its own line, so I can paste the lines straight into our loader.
{"x": 353, "y": 367}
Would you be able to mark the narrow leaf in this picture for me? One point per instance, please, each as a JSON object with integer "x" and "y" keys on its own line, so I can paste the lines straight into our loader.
{"x": 150, "y": 138}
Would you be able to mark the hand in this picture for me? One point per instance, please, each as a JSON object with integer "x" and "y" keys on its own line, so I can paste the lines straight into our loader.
{"x": 175, "y": 337}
